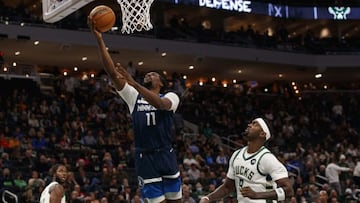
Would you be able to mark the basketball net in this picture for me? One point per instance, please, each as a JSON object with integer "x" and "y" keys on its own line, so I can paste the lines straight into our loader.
{"x": 135, "y": 15}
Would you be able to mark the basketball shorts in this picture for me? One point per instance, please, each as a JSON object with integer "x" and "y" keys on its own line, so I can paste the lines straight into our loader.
{"x": 158, "y": 174}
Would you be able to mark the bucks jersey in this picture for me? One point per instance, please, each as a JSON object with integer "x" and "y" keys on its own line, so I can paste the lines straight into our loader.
{"x": 45, "y": 195}
{"x": 255, "y": 171}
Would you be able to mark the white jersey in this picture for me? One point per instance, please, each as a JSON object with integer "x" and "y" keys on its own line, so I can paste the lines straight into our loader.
{"x": 258, "y": 171}
{"x": 45, "y": 195}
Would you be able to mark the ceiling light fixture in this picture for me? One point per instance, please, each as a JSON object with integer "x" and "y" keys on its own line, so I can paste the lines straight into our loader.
{"x": 84, "y": 58}
{"x": 163, "y": 54}
{"x": 36, "y": 42}
{"x": 17, "y": 53}
{"x": 191, "y": 67}
{"x": 140, "y": 63}
{"x": 319, "y": 75}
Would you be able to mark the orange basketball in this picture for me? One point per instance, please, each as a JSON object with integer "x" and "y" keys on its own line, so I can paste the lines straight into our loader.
{"x": 103, "y": 18}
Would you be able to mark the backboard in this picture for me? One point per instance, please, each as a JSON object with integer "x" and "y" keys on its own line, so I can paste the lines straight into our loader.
{"x": 55, "y": 10}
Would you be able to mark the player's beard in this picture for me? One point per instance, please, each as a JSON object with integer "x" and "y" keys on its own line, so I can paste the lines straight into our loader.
{"x": 148, "y": 84}
{"x": 59, "y": 180}
{"x": 245, "y": 135}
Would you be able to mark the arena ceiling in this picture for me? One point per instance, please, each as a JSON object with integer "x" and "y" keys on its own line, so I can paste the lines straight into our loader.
{"x": 63, "y": 55}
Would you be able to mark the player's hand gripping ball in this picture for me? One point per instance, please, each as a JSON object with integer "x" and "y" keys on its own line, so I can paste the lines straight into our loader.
{"x": 103, "y": 18}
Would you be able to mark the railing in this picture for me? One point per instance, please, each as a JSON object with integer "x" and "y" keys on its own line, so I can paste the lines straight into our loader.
{"x": 356, "y": 195}
{"x": 9, "y": 197}
{"x": 228, "y": 142}
{"x": 320, "y": 180}
{"x": 293, "y": 167}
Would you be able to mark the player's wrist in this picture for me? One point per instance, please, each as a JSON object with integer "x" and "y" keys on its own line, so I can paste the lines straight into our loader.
{"x": 280, "y": 193}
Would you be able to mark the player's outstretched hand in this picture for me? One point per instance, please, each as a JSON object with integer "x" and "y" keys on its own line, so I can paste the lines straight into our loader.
{"x": 90, "y": 23}
{"x": 248, "y": 192}
{"x": 123, "y": 72}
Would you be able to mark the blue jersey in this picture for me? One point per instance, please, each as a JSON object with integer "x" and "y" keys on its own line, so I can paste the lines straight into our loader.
{"x": 152, "y": 127}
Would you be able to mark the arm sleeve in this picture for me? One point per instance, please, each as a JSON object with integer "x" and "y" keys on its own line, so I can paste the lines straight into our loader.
{"x": 269, "y": 164}
{"x": 129, "y": 95}
{"x": 174, "y": 100}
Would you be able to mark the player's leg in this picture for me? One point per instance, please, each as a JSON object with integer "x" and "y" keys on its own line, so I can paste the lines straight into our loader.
{"x": 172, "y": 189}
{"x": 172, "y": 185}
{"x": 150, "y": 180}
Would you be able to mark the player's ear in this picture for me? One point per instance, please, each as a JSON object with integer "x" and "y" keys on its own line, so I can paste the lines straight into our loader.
{"x": 263, "y": 135}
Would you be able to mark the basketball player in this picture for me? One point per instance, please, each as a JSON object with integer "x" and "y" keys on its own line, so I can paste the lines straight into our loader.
{"x": 54, "y": 192}
{"x": 250, "y": 169}
{"x": 152, "y": 117}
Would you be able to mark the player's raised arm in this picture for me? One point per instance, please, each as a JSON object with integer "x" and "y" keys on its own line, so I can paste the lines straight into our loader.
{"x": 109, "y": 65}
{"x": 154, "y": 84}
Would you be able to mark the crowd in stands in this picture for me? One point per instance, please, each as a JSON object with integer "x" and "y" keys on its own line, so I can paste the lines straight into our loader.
{"x": 84, "y": 125}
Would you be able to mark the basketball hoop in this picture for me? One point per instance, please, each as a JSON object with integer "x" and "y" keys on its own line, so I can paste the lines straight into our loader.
{"x": 55, "y": 10}
{"x": 135, "y": 15}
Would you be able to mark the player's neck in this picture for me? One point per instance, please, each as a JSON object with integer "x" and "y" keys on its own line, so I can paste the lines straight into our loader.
{"x": 155, "y": 90}
{"x": 253, "y": 147}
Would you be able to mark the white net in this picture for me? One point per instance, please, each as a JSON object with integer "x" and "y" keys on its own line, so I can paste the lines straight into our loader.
{"x": 135, "y": 15}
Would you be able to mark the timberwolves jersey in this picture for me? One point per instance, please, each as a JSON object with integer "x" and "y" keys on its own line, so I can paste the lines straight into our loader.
{"x": 253, "y": 170}
{"x": 45, "y": 195}
{"x": 152, "y": 127}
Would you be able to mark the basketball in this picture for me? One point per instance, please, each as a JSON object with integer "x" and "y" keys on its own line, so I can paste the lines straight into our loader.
{"x": 103, "y": 18}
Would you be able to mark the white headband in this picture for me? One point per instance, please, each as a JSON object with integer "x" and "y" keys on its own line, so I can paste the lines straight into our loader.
{"x": 264, "y": 127}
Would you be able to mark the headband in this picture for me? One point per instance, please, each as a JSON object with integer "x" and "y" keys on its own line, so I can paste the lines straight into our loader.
{"x": 264, "y": 127}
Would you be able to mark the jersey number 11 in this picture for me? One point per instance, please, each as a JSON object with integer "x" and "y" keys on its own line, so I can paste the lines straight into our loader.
{"x": 150, "y": 119}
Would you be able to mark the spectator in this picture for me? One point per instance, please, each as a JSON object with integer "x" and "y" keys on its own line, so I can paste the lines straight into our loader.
{"x": 332, "y": 172}
{"x": 187, "y": 195}
{"x": 221, "y": 158}
{"x": 193, "y": 173}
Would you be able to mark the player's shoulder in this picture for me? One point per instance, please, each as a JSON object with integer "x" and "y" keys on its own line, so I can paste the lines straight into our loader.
{"x": 172, "y": 94}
